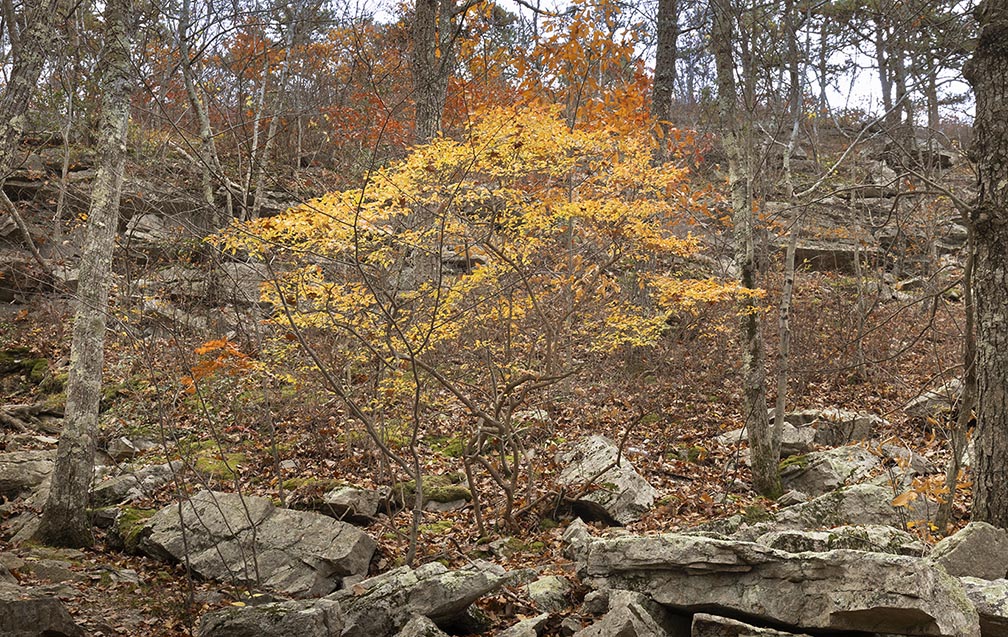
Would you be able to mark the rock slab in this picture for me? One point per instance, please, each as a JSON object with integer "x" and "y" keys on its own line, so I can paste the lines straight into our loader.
{"x": 247, "y": 540}
{"x": 622, "y": 495}
{"x": 836, "y": 590}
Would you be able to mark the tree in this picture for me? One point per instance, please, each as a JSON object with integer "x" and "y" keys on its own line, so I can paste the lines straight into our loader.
{"x": 64, "y": 519}
{"x": 987, "y": 72}
{"x": 665, "y": 60}
{"x": 435, "y": 29}
{"x": 764, "y": 445}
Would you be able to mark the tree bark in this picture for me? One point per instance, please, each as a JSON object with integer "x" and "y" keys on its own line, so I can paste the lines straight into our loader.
{"x": 29, "y": 57}
{"x": 433, "y": 63}
{"x": 64, "y": 519}
{"x": 764, "y": 449}
{"x": 665, "y": 61}
{"x": 987, "y": 72}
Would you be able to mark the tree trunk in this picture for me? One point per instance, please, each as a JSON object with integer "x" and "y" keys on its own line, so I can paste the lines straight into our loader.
{"x": 29, "y": 55}
{"x": 764, "y": 449}
{"x": 987, "y": 72}
{"x": 64, "y": 519}
{"x": 665, "y": 61}
{"x": 433, "y": 62}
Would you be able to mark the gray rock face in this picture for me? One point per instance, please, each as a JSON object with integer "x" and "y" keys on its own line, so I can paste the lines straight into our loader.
{"x": 382, "y": 605}
{"x": 794, "y": 439}
{"x": 935, "y": 403}
{"x": 837, "y": 590}
{"x": 835, "y": 427}
{"x": 991, "y": 600}
{"x": 248, "y": 540}
{"x": 549, "y": 592}
{"x": 531, "y": 627}
{"x": 635, "y": 619}
{"x": 24, "y": 613}
{"x": 873, "y": 538}
{"x": 21, "y": 472}
{"x": 824, "y": 471}
{"x": 705, "y": 625}
{"x": 132, "y": 486}
{"x": 420, "y": 626}
{"x": 315, "y": 618}
{"x": 978, "y": 550}
{"x": 353, "y": 504}
{"x": 622, "y": 496}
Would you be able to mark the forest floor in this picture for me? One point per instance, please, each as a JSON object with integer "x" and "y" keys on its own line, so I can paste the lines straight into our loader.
{"x": 665, "y": 405}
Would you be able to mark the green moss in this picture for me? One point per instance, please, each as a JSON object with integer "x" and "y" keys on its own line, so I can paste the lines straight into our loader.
{"x": 436, "y": 528}
{"x": 221, "y": 467}
{"x": 54, "y": 383}
{"x": 129, "y": 526}
{"x": 440, "y": 488}
{"x": 448, "y": 446}
{"x": 12, "y": 359}
{"x": 38, "y": 369}
{"x": 792, "y": 463}
{"x": 756, "y": 513}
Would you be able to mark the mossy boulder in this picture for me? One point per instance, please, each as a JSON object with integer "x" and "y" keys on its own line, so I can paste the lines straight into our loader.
{"x": 222, "y": 466}
{"x": 129, "y": 527}
{"x": 444, "y": 488}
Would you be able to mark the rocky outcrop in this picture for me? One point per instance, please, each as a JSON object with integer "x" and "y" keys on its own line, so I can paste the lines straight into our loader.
{"x": 21, "y": 472}
{"x": 991, "y": 600}
{"x": 134, "y": 485}
{"x": 617, "y": 492}
{"x": 382, "y": 605}
{"x": 873, "y": 538}
{"x": 978, "y": 550}
{"x": 824, "y": 471}
{"x": 247, "y": 540}
{"x": 936, "y": 403}
{"x": 314, "y": 618}
{"x": 27, "y": 613}
{"x": 705, "y": 625}
{"x": 836, "y": 590}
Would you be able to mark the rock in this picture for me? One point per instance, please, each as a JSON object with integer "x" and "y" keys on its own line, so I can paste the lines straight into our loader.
{"x": 991, "y": 600}
{"x": 835, "y": 427}
{"x": 622, "y": 495}
{"x": 353, "y": 504}
{"x": 28, "y": 613}
{"x": 150, "y": 229}
{"x": 910, "y": 461}
{"x": 531, "y": 627}
{"x": 824, "y": 471}
{"x": 133, "y": 486}
{"x": 420, "y": 626}
{"x": 856, "y": 505}
{"x": 979, "y": 550}
{"x": 635, "y": 619}
{"x": 382, "y": 605}
{"x": 249, "y": 541}
{"x": 878, "y": 180}
{"x": 239, "y": 284}
{"x": 549, "y": 592}
{"x": 873, "y": 538}
{"x": 123, "y": 448}
{"x": 314, "y": 618}
{"x": 936, "y": 403}
{"x": 838, "y": 590}
{"x": 794, "y": 440}
{"x": 22, "y": 472}
{"x": 705, "y": 625}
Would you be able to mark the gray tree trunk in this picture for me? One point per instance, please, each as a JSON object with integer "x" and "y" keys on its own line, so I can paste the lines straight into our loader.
{"x": 987, "y": 72}
{"x": 665, "y": 60}
{"x": 764, "y": 449}
{"x": 29, "y": 55}
{"x": 434, "y": 34}
{"x": 64, "y": 519}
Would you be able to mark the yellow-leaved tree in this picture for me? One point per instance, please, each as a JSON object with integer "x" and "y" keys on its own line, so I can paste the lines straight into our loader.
{"x": 478, "y": 271}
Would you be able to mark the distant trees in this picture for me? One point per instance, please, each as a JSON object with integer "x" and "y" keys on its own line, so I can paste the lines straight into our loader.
{"x": 987, "y": 72}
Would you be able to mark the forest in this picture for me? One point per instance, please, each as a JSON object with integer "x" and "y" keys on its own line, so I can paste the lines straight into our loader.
{"x": 600, "y": 318}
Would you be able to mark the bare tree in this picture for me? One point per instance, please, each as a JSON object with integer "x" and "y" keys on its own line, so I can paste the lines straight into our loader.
{"x": 64, "y": 519}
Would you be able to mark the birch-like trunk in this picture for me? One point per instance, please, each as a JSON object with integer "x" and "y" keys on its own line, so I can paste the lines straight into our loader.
{"x": 64, "y": 519}
{"x": 987, "y": 72}
{"x": 764, "y": 449}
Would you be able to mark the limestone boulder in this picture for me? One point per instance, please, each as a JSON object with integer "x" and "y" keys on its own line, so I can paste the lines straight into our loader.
{"x": 383, "y": 605}
{"x": 705, "y": 625}
{"x": 978, "y": 550}
{"x": 314, "y": 618}
{"x": 824, "y": 471}
{"x": 531, "y": 627}
{"x": 991, "y": 600}
{"x": 837, "y": 590}
{"x": 247, "y": 540}
{"x": 134, "y": 485}
{"x": 873, "y": 538}
{"x": 22, "y": 472}
{"x": 619, "y": 494}
{"x": 28, "y": 613}
{"x": 938, "y": 403}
